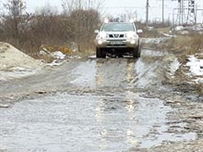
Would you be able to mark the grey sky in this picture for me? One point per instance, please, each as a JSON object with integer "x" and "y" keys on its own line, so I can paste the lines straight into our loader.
{"x": 119, "y": 6}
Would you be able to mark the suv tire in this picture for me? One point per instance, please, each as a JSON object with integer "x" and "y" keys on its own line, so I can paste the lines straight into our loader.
{"x": 99, "y": 53}
{"x": 136, "y": 52}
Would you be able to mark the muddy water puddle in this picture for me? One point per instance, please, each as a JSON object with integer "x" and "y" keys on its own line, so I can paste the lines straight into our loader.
{"x": 87, "y": 122}
{"x": 114, "y": 114}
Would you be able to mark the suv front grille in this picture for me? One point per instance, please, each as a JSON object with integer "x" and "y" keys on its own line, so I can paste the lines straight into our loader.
{"x": 116, "y": 35}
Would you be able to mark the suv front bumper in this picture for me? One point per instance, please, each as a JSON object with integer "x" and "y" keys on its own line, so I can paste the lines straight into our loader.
{"x": 116, "y": 43}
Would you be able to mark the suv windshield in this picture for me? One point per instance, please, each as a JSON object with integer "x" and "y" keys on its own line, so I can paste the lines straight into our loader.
{"x": 118, "y": 27}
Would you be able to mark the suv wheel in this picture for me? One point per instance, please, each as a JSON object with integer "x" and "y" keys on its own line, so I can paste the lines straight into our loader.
{"x": 136, "y": 52}
{"x": 99, "y": 53}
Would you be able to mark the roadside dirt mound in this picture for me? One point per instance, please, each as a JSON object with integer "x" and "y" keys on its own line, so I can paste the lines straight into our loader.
{"x": 11, "y": 58}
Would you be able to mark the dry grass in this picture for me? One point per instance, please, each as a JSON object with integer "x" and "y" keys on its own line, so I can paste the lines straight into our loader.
{"x": 45, "y": 58}
{"x": 50, "y": 48}
{"x": 199, "y": 89}
{"x": 182, "y": 46}
{"x": 152, "y": 33}
{"x": 164, "y": 29}
{"x": 185, "y": 44}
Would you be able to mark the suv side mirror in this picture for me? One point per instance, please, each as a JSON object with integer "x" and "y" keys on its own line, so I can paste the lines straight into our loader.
{"x": 139, "y": 31}
{"x": 96, "y": 31}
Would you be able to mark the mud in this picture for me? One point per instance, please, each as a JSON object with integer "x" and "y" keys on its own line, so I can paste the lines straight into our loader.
{"x": 100, "y": 105}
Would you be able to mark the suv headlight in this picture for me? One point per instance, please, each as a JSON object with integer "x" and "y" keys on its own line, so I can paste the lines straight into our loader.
{"x": 101, "y": 35}
{"x": 131, "y": 35}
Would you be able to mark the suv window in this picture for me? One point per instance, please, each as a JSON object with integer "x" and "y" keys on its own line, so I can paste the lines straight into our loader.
{"x": 118, "y": 27}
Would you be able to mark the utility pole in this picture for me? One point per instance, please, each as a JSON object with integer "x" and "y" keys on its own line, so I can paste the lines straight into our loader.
{"x": 20, "y": 7}
{"x": 79, "y": 5}
{"x": 147, "y": 14}
{"x": 163, "y": 12}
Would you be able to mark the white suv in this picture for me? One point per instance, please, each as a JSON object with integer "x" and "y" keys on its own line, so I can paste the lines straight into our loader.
{"x": 118, "y": 38}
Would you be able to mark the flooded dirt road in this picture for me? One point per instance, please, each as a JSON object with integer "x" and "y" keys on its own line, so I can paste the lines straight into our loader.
{"x": 99, "y": 105}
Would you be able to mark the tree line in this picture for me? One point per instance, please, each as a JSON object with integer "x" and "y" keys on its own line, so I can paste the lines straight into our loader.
{"x": 75, "y": 24}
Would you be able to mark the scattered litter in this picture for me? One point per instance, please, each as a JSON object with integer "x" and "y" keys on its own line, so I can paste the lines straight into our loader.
{"x": 56, "y": 63}
{"x": 174, "y": 66}
{"x": 178, "y": 28}
{"x": 41, "y": 92}
{"x": 58, "y": 55}
{"x": 155, "y": 40}
{"x": 4, "y": 106}
{"x": 195, "y": 65}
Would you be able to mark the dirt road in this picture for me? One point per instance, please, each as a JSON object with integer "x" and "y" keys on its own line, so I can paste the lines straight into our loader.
{"x": 100, "y": 105}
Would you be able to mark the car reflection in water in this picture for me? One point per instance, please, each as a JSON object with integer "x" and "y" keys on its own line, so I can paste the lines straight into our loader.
{"x": 115, "y": 112}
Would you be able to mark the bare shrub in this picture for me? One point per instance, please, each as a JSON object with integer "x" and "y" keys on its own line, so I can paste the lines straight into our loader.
{"x": 159, "y": 24}
{"x": 185, "y": 44}
{"x": 47, "y": 27}
{"x": 154, "y": 29}
{"x": 196, "y": 43}
{"x": 15, "y": 24}
{"x": 71, "y": 5}
{"x": 152, "y": 33}
{"x": 199, "y": 89}
{"x": 84, "y": 18}
{"x": 82, "y": 24}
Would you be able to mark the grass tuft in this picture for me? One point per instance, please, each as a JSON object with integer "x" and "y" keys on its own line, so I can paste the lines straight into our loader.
{"x": 185, "y": 44}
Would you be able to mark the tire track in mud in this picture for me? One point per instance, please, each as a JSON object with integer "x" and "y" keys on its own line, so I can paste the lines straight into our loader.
{"x": 114, "y": 72}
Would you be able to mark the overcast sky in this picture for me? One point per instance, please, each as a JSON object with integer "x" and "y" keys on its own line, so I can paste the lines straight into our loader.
{"x": 118, "y": 6}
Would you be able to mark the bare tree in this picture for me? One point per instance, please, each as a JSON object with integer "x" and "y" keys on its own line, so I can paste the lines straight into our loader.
{"x": 84, "y": 18}
{"x": 15, "y": 7}
{"x": 47, "y": 10}
{"x": 15, "y": 20}
{"x": 82, "y": 25}
{"x": 71, "y": 5}
{"x": 49, "y": 26}
{"x": 29, "y": 31}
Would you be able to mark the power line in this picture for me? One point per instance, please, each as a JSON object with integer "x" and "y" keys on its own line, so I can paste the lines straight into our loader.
{"x": 132, "y": 7}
